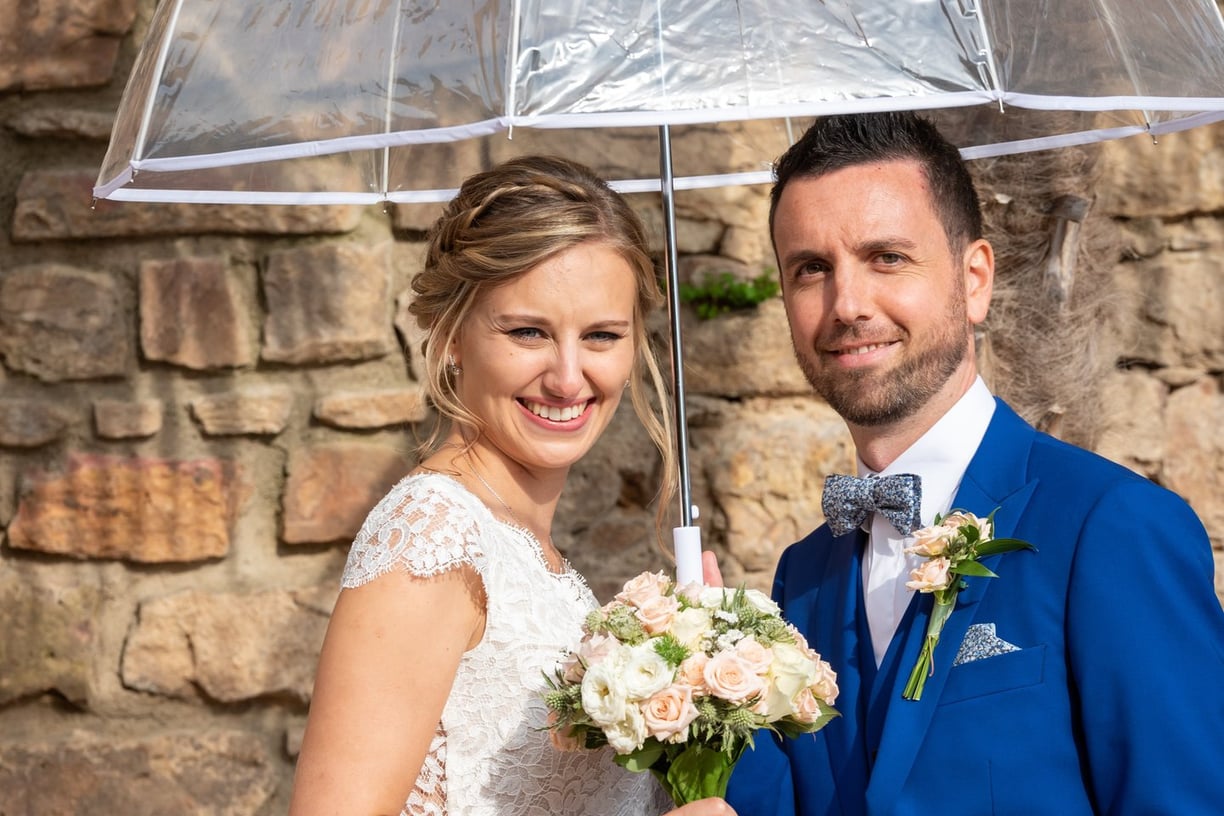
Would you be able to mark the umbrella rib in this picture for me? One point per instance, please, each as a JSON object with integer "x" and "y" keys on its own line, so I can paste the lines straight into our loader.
{"x": 143, "y": 133}
{"x": 987, "y": 51}
{"x": 512, "y": 62}
{"x": 389, "y": 100}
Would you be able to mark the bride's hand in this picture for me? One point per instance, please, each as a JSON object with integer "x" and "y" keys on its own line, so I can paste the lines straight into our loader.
{"x": 704, "y": 807}
{"x": 709, "y": 568}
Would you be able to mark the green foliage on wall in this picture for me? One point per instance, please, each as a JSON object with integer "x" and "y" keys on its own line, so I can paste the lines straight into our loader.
{"x": 721, "y": 293}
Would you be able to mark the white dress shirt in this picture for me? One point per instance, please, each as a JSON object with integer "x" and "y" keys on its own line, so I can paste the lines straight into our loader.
{"x": 939, "y": 458}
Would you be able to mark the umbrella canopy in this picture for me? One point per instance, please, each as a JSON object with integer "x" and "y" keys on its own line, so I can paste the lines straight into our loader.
{"x": 362, "y": 101}
{"x": 359, "y": 101}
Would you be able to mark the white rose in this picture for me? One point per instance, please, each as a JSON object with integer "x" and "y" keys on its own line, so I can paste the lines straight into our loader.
{"x": 644, "y": 672}
{"x": 603, "y": 696}
{"x": 761, "y": 602}
{"x": 627, "y": 734}
{"x": 792, "y": 671}
{"x": 712, "y": 597}
{"x": 690, "y": 627}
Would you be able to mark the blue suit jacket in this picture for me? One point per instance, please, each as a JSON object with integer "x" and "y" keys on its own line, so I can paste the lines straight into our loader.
{"x": 1113, "y": 703}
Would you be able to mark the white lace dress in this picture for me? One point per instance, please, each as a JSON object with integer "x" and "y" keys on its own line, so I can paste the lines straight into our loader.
{"x": 489, "y": 754}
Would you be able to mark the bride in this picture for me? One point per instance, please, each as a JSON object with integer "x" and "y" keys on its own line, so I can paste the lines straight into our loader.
{"x": 455, "y": 603}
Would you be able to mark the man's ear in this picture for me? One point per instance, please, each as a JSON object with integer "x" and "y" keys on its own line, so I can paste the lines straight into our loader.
{"x": 979, "y": 279}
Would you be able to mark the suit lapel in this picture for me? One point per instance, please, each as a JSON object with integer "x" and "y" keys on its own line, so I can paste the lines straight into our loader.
{"x": 995, "y": 478}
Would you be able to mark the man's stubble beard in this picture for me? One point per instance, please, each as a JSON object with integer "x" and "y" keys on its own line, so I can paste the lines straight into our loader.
{"x": 869, "y": 398}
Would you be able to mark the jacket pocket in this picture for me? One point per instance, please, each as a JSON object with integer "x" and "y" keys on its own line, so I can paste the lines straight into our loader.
{"x": 992, "y": 675}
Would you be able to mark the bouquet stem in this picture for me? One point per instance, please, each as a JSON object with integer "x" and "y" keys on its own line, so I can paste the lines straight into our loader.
{"x": 925, "y": 666}
{"x": 696, "y": 773}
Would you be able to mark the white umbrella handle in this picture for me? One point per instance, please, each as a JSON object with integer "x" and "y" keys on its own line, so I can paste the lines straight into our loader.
{"x": 687, "y": 542}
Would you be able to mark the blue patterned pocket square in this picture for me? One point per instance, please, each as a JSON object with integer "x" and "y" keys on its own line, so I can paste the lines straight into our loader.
{"x": 981, "y": 642}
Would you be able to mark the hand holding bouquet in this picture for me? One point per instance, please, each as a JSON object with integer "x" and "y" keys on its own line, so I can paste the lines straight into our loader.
{"x": 678, "y": 679}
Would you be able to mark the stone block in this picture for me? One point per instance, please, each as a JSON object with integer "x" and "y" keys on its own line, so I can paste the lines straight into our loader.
{"x": 58, "y": 322}
{"x": 743, "y": 353}
{"x": 1134, "y": 433}
{"x": 1179, "y": 174}
{"x": 127, "y": 419}
{"x": 257, "y": 410}
{"x": 61, "y": 44}
{"x": 63, "y": 123}
{"x": 372, "y": 409}
{"x": 152, "y": 511}
{"x": 50, "y": 620}
{"x": 1181, "y": 301}
{"x": 230, "y": 646}
{"x": 28, "y": 423}
{"x": 328, "y": 303}
{"x": 412, "y": 336}
{"x": 59, "y": 204}
{"x": 1194, "y": 428}
{"x": 765, "y": 463}
{"x": 207, "y": 770}
{"x": 192, "y": 314}
{"x": 331, "y": 488}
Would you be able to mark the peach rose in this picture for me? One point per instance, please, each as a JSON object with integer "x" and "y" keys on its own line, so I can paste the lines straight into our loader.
{"x": 669, "y": 712}
{"x": 692, "y": 672}
{"x": 656, "y": 613}
{"x": 931, "y": 576}
{"x": 807, "y": 710}
{"x": 643, "y": 588}
{"x": 825, "y": 685}
{"x": 562, "y": 740}
{"x": 730, "y": 678}
{"x": 960, "y": 518}
{"x": 757, "y": 657}
{"x": 931, "y": 541}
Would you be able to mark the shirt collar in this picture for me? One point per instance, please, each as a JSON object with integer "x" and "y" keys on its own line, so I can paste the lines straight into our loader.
{"x": 941, "y": 455}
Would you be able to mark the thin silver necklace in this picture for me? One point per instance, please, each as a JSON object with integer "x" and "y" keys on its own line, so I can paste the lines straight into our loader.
{"x": 503, "y": 503}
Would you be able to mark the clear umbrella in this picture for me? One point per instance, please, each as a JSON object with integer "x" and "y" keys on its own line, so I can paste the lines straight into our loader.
{"x": 243, "y": 101}
{"x": 362, "y": 101}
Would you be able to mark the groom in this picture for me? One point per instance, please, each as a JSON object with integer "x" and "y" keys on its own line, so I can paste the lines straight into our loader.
{"x": 1088, "y": 676}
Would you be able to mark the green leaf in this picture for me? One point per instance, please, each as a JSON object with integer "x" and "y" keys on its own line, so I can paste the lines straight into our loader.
{"x": 972, "y": 568}
{"x": 1002, "y": 545}
{"x": 641, "y": 759}
{"x": 698, "y": 772}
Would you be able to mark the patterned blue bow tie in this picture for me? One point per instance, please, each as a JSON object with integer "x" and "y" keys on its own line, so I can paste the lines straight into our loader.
{"x": 848, "y": 499}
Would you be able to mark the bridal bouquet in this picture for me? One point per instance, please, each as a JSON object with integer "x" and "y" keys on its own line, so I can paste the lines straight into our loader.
{"x": 678, "y": 679}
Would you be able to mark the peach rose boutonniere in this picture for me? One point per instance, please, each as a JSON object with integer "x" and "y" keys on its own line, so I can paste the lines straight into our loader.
{"x": 952, "y": 547}
{"x": 677, "y": 680}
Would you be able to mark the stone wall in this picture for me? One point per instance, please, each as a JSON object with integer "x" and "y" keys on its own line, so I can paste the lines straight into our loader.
{"x": 199, "y": 404}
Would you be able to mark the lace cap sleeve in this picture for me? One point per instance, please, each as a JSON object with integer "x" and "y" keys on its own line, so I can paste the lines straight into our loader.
{"x": 426, "y": 525}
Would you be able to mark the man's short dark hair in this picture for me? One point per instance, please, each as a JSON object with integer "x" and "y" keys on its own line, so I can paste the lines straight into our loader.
{"x": 848, "y": 140}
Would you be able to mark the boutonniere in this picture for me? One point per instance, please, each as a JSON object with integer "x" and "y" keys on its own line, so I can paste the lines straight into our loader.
{"x": 953, "y": 546}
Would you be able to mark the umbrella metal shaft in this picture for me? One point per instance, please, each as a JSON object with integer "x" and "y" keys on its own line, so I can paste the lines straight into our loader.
{"x": 667, "y": 188}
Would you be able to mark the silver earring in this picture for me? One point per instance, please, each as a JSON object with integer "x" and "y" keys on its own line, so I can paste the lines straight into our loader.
{"x": 451, "y": 367}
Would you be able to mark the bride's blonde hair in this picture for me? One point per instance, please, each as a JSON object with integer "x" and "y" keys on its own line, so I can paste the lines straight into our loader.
{"x": 505, "y": 222}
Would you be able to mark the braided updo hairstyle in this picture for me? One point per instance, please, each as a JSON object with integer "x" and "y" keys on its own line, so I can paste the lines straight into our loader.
{"x": 505, "y": 222}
